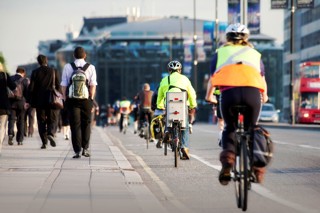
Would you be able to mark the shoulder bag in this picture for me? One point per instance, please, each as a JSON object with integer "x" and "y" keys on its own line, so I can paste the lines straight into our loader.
{"x": 55, "y": 98}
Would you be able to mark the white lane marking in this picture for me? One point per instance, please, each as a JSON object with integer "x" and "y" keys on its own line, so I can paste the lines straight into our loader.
{"x": 262, "y": 190}
{"x": 296, "y": 145}
{"x": 214, "y": 131}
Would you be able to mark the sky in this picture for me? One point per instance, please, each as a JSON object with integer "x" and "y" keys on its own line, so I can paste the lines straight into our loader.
{"x": 26, "y": 22}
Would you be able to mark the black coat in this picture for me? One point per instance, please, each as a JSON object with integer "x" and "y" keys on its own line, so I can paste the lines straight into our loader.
{"x": 41, "y": 84}
{"x": 4, "y": 100}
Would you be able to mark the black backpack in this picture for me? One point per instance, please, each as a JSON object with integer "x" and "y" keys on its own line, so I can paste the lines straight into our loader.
{"x": 17, "y": 93}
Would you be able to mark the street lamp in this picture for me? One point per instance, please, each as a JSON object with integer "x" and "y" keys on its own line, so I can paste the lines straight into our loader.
{"x": 195, "y": 62}
{"x": 216, "y": 27}
{"x": 293, "y": 119}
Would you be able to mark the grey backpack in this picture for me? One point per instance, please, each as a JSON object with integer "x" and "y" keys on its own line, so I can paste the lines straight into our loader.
{"x": 79, "y": 86}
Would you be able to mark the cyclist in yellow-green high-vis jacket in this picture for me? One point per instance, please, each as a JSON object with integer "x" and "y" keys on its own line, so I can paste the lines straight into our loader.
{"x": 176, "y": 81}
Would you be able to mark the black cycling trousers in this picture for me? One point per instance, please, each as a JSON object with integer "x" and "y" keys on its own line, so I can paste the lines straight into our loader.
{"x": 248, "y": 96}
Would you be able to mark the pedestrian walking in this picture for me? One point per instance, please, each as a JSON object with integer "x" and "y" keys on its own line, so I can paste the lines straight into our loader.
{"x": 81, "y": 79}
{"x": 42, "y": 81}
{"x": 5, "y": 82}
{"x": 18, "y": 108}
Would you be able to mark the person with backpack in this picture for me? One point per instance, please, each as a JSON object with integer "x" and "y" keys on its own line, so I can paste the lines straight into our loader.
{"x": 177, "y": 82}
{"x": 79, "y": 81}
{"x": 42, "y": 81}
{"x": 5, "y": 82}
{"x": 18, "y": 107}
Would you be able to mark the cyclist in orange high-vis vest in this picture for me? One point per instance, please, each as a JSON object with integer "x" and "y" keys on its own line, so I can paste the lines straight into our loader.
{"x": 238, "y": 71}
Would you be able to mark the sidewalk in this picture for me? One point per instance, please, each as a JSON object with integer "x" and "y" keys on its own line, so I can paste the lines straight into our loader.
{"x": 34, "y": 180}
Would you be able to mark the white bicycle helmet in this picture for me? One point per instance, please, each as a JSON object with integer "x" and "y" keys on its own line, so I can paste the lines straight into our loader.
{"x": 237, "y": 31}
{"x": 174, "y": 66}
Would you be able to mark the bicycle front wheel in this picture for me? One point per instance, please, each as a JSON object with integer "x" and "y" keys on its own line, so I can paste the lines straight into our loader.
{"x": 147, "y": 135}
{"x": 241, "y": 175}
{"x": 165, "y": 143}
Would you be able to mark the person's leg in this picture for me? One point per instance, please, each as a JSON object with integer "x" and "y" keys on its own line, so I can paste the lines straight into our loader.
{"x": 20, "y": 125}
{"x": 42, "y": 126}
{"x": 120, "y": 122}
{"x": 228, "y": 99}
{"x": 3, "y": 124}
{"x": 75, "y": 126}
{"x": 12, "y": 118}
{"x": 185, "y": 141}
{"x": 31, "y": 115}
{"x": 86, "y": 124}
{"x": 52, "y": 119}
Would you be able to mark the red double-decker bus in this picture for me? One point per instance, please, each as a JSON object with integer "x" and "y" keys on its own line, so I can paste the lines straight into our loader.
{"x": 307, "y": 93}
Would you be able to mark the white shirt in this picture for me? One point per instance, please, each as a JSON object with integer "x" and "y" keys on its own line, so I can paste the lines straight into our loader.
{"x": 68, "y": 70}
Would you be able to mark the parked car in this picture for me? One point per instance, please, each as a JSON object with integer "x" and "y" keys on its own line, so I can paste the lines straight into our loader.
{"x": 269, "y": 113}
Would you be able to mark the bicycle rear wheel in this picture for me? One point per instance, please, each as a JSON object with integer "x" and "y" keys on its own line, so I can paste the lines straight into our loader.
{"x": 125, "y": 124}
{"x": 241, "y": 175}
{"x": 175, "y": 143}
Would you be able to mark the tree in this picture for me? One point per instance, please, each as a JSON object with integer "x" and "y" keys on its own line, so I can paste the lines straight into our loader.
{"x": 3, "y": 61}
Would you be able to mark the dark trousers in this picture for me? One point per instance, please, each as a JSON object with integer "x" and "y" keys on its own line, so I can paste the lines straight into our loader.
{"x": 16, "y": 117}
{"x": 29, "y": 121}
{"x": 47, "y": 123}
{"x": 248, "y": 96}
{"x": 80, "y": 123}
{"x": 142, "y": 116}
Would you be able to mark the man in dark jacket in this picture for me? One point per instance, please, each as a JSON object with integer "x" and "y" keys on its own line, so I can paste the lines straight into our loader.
{"x": 18, "y": 110}
{"x": 42, "y": 81}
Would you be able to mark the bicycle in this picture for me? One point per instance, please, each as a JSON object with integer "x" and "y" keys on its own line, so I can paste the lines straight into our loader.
{"x": 145, "y": 130}
{"x": 176, "y": 117}
{"x": 242, "y": 168}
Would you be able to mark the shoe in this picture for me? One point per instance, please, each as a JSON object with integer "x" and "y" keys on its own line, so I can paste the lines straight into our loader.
{"x": 159, "y": 144}
{"x": 167, "y": 137}
{"x": 77, "y": 155}
{"x": 141, "y": 134}
{"x": 86, "y": 153}
{"x": 259, "y": 174}
{"x": 51, "y": 139}
{"x": 43, "y": 146}
{"x": 151, "y": 140}
{"x": 10, "y": 140}
{"x": 20, "y": 143}
{"x": 185, "y": 154}
{"x": 225, "y": 176}
{"x": 135, "y": 132}
{"x": 66, "y": 137}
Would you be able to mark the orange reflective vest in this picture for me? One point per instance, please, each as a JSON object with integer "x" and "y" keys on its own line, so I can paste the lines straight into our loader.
{"x": 238, "y": 66}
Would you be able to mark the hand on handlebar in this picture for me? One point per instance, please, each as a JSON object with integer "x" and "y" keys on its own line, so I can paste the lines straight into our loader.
{"x": 214, "y": 102}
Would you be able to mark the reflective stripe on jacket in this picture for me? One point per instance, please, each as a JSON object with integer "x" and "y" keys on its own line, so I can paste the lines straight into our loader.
{"x": 238, "y": 66}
